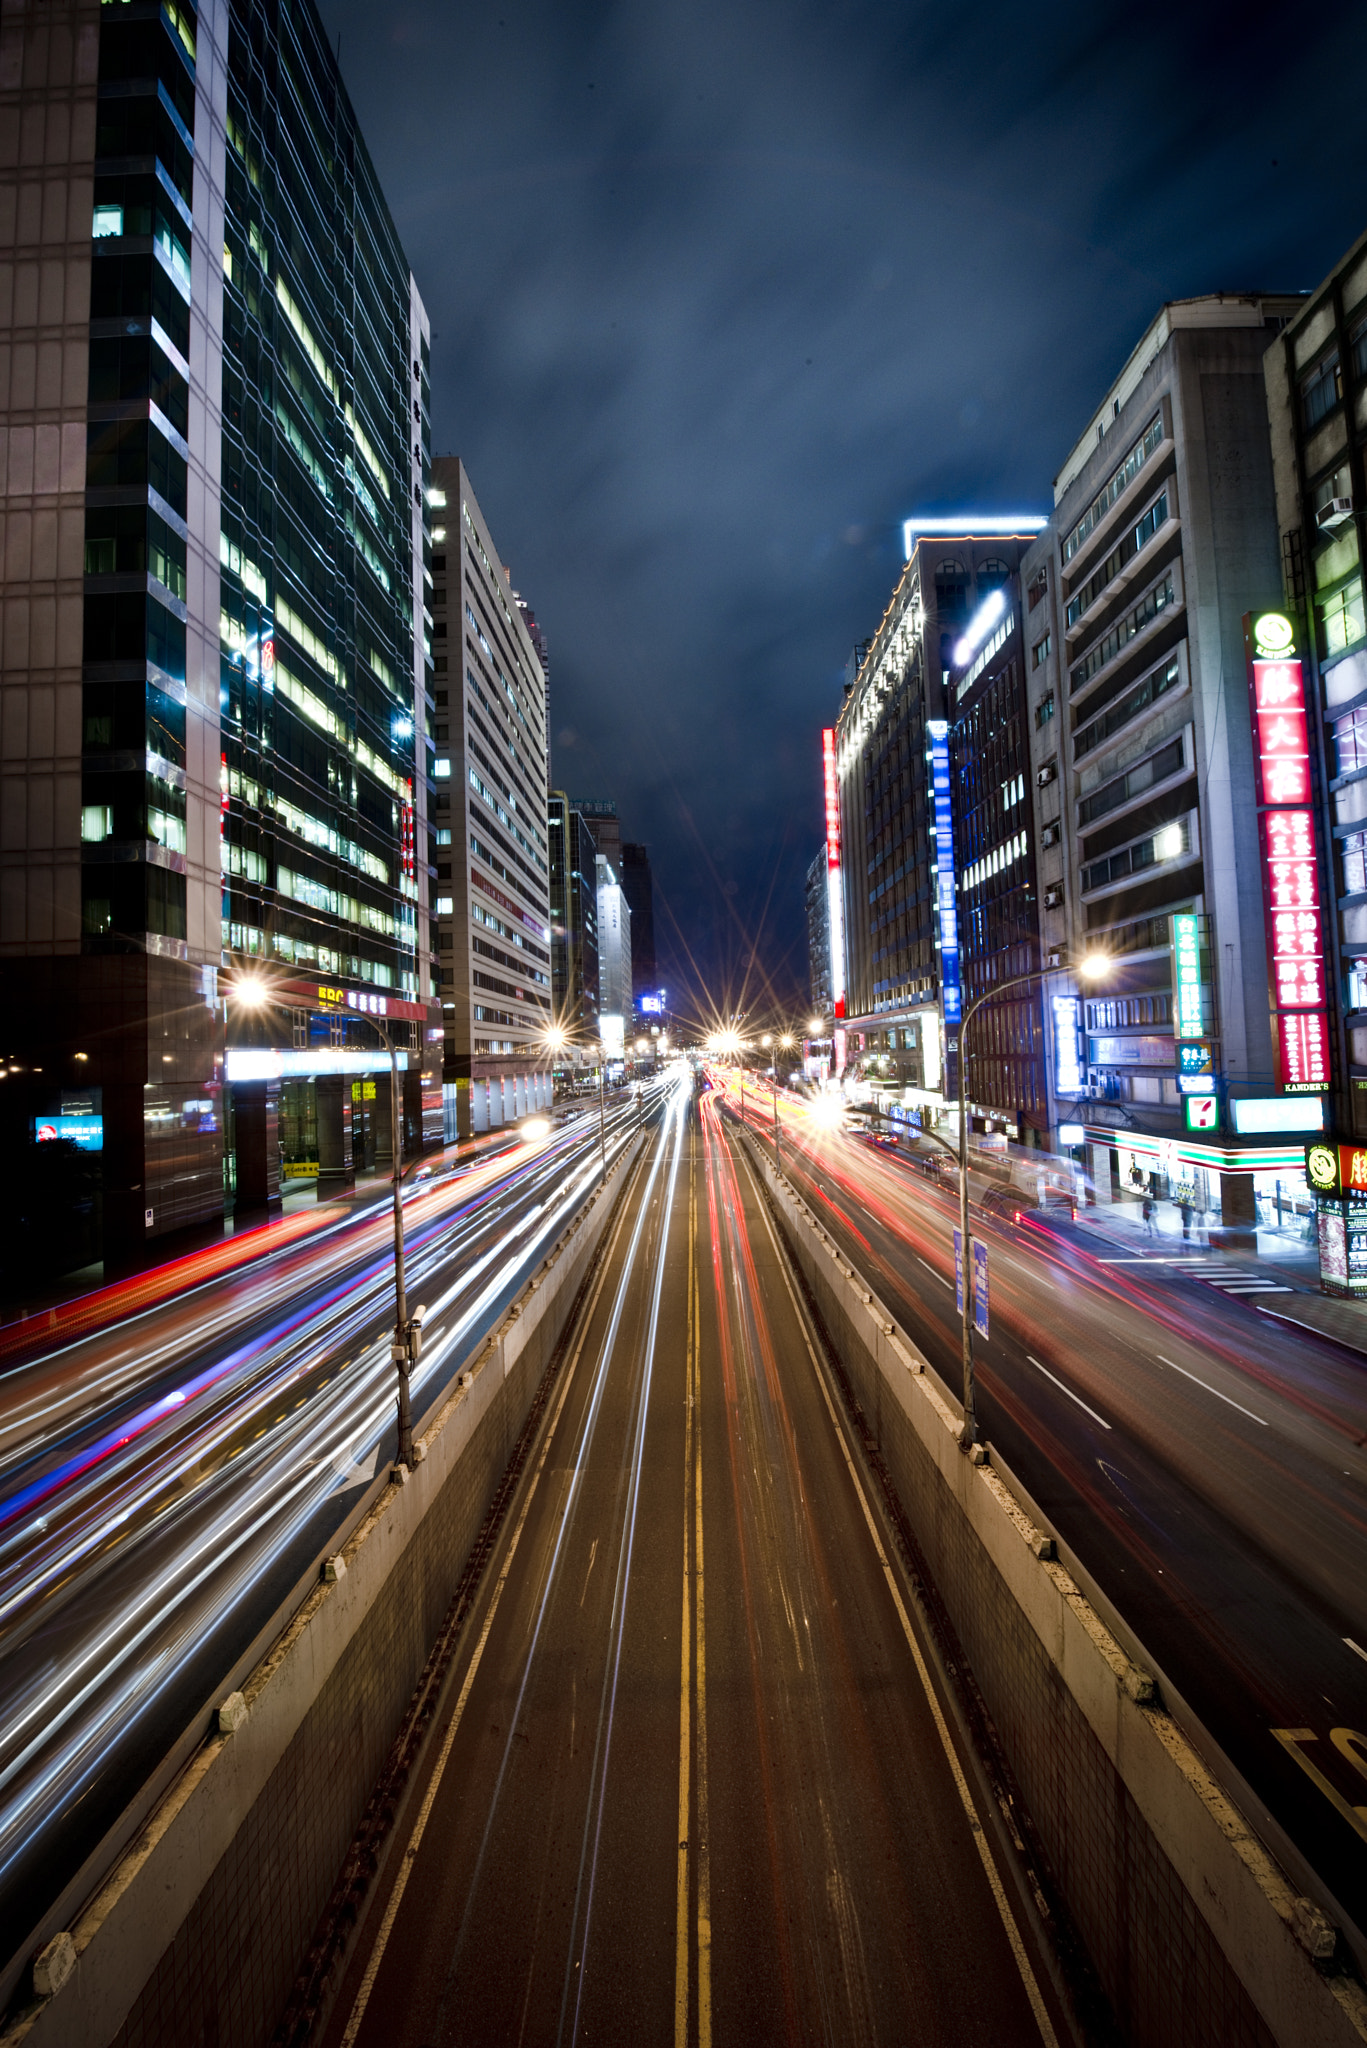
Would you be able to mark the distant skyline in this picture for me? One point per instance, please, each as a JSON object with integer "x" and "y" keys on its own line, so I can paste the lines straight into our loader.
{"x": 722, "y": 295}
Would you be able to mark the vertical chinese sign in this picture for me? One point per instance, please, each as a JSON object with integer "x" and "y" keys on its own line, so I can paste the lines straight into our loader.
{"x": 835, "y": 898}
{"x": 938, "y": 730}
{"x": 1286, "y": 827}
{"x": 835, "y": 901}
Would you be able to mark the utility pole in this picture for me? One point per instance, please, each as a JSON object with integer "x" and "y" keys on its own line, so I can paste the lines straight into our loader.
{"x": 602, "y": 1113}
{"x": 253, "y": 993}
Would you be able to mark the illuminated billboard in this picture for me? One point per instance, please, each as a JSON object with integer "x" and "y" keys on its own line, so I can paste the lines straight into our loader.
{"x": 834, "y": 888}
{"x": 85, "y": 1131}
{"x": 1298, "y": 977}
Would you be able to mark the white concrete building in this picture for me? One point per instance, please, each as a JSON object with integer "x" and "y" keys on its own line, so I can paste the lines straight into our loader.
{"x": 492, "y": 906}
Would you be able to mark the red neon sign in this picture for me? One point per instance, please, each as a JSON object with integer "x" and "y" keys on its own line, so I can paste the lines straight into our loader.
{"x": 832, "y": 798}
{"x": 1281, "y": 733}
{"x": 1295, "y": 924}
{"x": 1299, "y": 983}
{"x": 1302, "y": 1051}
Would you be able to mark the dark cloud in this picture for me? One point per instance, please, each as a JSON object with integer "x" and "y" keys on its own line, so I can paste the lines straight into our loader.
{"x": 722, "y": 291}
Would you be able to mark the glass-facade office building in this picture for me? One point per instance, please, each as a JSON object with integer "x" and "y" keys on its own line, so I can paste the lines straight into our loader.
{"x": 216, "y": 668}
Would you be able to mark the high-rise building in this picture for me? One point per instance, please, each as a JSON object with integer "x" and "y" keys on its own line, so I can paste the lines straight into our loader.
{"x": 637, "y": 887}
{"x": 216, "y": 430}
{"x": 490, "y": 817}
{"x": 818, "y": 904}
{"x": 994, "y": 869}
{"x": 574, "y": 922}
{"x": 614, "y": 953}
{"x": 1162, "y": 539}
{"x": 601, "y": 812}
{"x": 1316, "y": 377}
{"x": 899, "y": 899}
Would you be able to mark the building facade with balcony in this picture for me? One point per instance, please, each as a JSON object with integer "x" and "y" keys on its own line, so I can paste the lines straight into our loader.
{"x": 490, "y": 818}
{"x": 1141, "y": 771}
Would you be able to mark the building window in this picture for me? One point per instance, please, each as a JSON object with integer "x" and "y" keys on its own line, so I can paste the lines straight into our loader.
{"x": 1044, "y": 710}
{"x": 1037, "y": 588}
{"x": 1117, "y": 484}
{"x": 1169, "y": 760}
{"x": 1355, "y": 864}
{"x": 1321, "y": 390}
{"x": 1342, "y": 618}
{"x": 445, "y": 906}
{"x": 1357, "y": 342}
{"x": 442, "y": 771}
{"x": 1168, "y": 844}
{"x": 1040, "y": 651}
{"x": 1350, "y": 736}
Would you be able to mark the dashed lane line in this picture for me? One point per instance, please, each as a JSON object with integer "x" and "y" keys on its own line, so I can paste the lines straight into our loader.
{"x": 1261, "y": 1420}
{"x": 1065, "y": 1389}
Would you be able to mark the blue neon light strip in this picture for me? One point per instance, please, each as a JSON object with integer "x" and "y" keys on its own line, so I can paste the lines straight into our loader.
{"x": 944, "y": 871}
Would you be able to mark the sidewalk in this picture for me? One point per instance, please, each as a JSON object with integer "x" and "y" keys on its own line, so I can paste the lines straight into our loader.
{"x": 1282, "y": 1255}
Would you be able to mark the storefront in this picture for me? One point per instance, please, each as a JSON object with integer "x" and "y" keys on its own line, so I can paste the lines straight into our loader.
{"x": 1238, "y": 1187}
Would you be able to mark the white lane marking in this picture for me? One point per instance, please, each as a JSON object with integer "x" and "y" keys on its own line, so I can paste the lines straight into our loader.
{"x": 1155, "y": 1259}
{"x": 932, "y": 1272}
{"x": 1248, "y": 1286}
{"x": 1260, "y": 1419}
{"x": 1068, "y": 1391}
{"x": 979, "y": 1833}
{"x": 1356, "y": 1646}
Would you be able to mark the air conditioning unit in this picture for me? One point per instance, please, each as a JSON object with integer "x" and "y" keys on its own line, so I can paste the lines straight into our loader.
{"x": 1337, "y": 512}
{"x": 1050, "y": 835}
{"x": 1048, "y": 773}
{"x": 1053, "y": 897}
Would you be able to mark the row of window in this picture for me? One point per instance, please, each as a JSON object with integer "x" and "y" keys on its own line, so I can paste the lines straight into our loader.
{"x": 1131, "y": 544}
{"x": 1169, "y": 843}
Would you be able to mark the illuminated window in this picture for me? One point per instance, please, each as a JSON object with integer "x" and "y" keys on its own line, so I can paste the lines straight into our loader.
{"x": 108, "y": 221}
{"x": 1343, "y": 618}
{"x": 442, "y": 771}
{"x": 97, "y": 822}
{"x": 445, "y": 905}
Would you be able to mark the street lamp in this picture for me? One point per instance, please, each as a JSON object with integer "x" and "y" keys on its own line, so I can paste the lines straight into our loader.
{"x": 1091, "y": 968}
{"x": 254, "y": 993}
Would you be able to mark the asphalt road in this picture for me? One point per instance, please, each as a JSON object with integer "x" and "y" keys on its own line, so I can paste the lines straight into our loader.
{"x": 690, "y": 1778}
{"x": 1205, "y": 1462}
{"x": 166, "y": 1484}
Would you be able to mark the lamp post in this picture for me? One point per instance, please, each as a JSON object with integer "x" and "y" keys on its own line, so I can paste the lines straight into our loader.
{"x": 1092, "y": 968}
{"x": 406, "y": 1342}
{"x": 786, "y": 1042}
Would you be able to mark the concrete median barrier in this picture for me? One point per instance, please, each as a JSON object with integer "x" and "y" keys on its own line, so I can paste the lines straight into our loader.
{"x": 1193, "y": 1927}
{"x": 199, "y": 1931}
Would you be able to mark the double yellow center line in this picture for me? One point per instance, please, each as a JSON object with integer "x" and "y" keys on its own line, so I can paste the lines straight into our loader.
{"x": 693, "y": 1717}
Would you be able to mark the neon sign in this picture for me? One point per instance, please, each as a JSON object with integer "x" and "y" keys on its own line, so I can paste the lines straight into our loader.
{"x": 944, "y": 870}
{"x": 834, "y": 897}
{"x": 1298, "y": 979}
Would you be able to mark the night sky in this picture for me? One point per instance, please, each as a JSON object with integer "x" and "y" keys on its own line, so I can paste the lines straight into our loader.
{"x": 721, "y": 293}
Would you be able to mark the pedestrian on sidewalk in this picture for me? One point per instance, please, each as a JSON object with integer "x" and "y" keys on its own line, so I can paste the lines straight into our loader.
{"x": 1150, "y": 1227}
{"x": 1186, "y": 1220}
